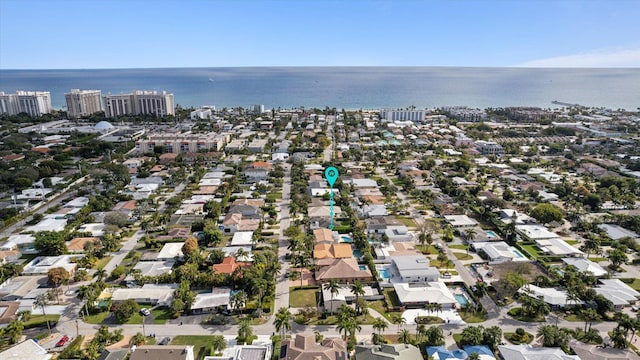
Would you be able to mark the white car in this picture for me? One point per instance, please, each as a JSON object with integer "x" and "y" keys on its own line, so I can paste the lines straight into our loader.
{"x": 145, "y": 312}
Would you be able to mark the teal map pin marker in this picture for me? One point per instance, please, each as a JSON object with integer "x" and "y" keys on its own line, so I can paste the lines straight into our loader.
{"x": 331, "y": 173}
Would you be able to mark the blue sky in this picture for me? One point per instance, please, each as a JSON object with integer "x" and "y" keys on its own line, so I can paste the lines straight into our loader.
{"x": 69, "y": 34}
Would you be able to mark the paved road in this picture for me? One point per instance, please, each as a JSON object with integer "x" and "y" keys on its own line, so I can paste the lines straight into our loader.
{"x": 282, "y": 283}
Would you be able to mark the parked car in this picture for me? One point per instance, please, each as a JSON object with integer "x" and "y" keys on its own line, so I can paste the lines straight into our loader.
{"x": 145, "y": 312}
{"x": 165, "y": 341}
{"x": 62, "y": 341}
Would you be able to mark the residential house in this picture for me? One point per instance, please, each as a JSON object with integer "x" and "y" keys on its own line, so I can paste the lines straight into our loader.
{"x": 499, "y": 252}
{"x": 257, "y": 171}
{"x": 42, "y": 264}
{"x": 147, "y": 294}
{"x": 229, "y": 265}
{"x": 460, "y": 221}
{"x": 528, "y": 352}
{"x": 323, "y": 236}
{"x": 414, "y": 295}
{"x": 557, "y": 247}
{"x": 248, "y": 211}
{"x": 388, "y": 352}
{"x": 344, "y": 296}
{"x": 583, "y": 265}
{"x": 76, "y": 245}
{"x": 28, "y": 349}
{"x": 305, "y": 347}
{"x": 342, "y": 270}
{"x": 554, "y": 297}
{"x": 171, "y": 251}
{"x": 235, "y": 222}
{"x": 18, "y": 287}
{"x": 615, "y": 232}
{"x": 598, "y": 352}
{"x": 218, "y": 298}
{"x": 413, "y": 268}
{"x": 619, "y": 293}
{"x": 162, "y": 352}
{"x": 332, "y": 251}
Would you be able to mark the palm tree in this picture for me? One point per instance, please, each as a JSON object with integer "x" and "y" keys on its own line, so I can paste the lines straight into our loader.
{"x": 358, "y": 290}
{"x": 380, "y": 325}
{"x": 421, "y": 329}
{"x": 100, "y": 273}
{"x": 398, "y": 320}
{"x": 238, "y": 299}
{"x": 218, "y": 343}
{"x": 14, "y": 330}
{"x": 404, "y": 336}
{"x": 437, "y": 307}
{"x": 282, "y": 321}
{"x": 41, "y": 300}
{"x": 333, "y": 287}
{"x": 245, "y": 331}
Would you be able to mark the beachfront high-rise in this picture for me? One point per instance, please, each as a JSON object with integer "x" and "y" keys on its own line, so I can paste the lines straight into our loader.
{"x": 139, "y": 102}
{"x": 34, "y": 103}
{"x": 82, "y": 103}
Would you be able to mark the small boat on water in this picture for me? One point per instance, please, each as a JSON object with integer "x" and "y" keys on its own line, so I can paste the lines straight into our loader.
{"x": 211, "y": 80}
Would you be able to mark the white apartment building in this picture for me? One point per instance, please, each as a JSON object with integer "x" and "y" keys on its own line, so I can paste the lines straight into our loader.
{"x": 82, "y": 103}
{"x": 34, "y": 103}
{"x": 205, "y": 112}
{"x": 488, "y": 147}
{"x": 182, "y": 143}
{"x": 139, "y": 103}
{"x": 403, "y": 115}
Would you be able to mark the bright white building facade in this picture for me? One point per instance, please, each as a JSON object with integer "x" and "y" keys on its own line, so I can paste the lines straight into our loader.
{"x": 34, "y": 103}
{"x": 139, "y": 102}
{"x": 82, "y": 103}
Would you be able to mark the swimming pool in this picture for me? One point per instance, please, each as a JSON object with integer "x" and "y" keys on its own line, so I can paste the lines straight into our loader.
{"x": 384, "y": 273}
{"x": 517, "y": 253}
{"x": 462, "y": 300}
{"x": 490, "y": 234}
{"x": 357, "y": 253}
{"x": 346, "y": 238}
{"x": 362, "y": 267}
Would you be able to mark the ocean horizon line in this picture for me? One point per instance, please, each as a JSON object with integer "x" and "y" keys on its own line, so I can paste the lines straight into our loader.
{"x": 333, "y": 67}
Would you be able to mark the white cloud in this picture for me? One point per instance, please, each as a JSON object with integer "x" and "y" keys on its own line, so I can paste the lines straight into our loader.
{"x": 629, "y": 58}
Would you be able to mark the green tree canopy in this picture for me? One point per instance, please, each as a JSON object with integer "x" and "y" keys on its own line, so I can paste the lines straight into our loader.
{"x": 546, "y": 213}
{"x": 50, "y": 243}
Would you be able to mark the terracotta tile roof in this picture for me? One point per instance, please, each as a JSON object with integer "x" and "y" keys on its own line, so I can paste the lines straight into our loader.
{"x": 229, "y": 265}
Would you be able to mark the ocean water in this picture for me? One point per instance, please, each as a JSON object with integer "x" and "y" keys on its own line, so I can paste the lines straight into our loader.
{"x": 348, "y": 87}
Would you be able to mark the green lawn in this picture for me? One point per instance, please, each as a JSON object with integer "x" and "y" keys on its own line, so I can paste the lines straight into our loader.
{"x": 458, "y": 246}
{"x": 572, "y": 242}
{"x": 471, "y": 317}
{"x": 431, "y": 249}
{"x": 161, "y": 315}
{"x": 102, "y": 262}
{"x": 462, "y": 256}
{"x": 40, "y": 320}
{"x": 531, "y": 250}
{"x": 379, "y": 307}
{"x": 573, "y": 318}
{"x": 97, "y": 318}
{"x": 391, "y": 296}
{"x": 408, "y": 222}
{"x": 635, "y": 284}
{"x": 200, "y": 343}
{"x": 299, "y": 298}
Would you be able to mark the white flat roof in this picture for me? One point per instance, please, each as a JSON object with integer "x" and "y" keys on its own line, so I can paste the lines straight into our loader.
{"x": 241, "y": 238}
{"x": 536, "y": 232}
{"x": 433, "y": 292}
{"x": 48, "y": 225}
{"x": 171, "y": 250}
{"x": 557, "y": 247}
{"x": 460, "y": 220}
{"x": 583, "y": 265}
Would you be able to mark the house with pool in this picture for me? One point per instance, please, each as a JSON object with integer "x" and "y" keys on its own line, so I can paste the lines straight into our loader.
{"x": 412, "y": 269}
{"x": 499, "y": 252}
{"x": 418, "y": 295}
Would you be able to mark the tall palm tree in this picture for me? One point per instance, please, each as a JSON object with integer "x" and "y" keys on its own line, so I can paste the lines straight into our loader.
{"x": 404, "y": 336}
{"x": 282, "y": 321}
{"x": 421, "y": 329}
{"x": 41, "y": 300}
{"x": 244, "y": 330}
{"x": 14, "y": 330}
{"x": 333, "y": 287}
{"x": 100, "y": 273}
{"x": 358, "y": 290}
{"x": 398, "y": 320}
{"x": 380, "y": 324}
